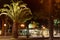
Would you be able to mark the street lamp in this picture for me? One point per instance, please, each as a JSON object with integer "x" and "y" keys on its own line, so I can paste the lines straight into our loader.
{"x": 22, "y": 25}
{"x": 4, "y": 25}
{"x": 5, "y": 28}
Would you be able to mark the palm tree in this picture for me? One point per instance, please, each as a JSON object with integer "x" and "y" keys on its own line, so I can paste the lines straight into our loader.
{"x": 18, "y": 12}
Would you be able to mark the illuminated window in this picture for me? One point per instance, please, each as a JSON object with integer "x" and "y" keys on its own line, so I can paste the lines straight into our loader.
{"x": 56, "y": 28}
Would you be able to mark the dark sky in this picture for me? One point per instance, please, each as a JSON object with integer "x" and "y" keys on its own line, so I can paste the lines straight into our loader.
{"x": 34, "y": 5}
{"x": 2, "y": 2}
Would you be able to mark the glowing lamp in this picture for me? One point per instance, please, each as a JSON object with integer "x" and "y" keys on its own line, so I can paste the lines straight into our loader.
{"x": 22, "y": 25}
{"x": 4, "y": 24}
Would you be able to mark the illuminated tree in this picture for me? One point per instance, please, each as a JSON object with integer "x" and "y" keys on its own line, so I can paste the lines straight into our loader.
{"x": 18, "y": 12}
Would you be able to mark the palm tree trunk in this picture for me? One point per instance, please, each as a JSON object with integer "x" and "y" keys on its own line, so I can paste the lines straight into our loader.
{"x": 15, "y": 29}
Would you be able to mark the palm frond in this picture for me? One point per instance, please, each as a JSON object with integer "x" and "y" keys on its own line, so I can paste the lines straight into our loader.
{"x": 25, "y": 15}
{"x": 17, "y": 11}
{"x": 10, "y": 8}
{"x": 3, "y": 10}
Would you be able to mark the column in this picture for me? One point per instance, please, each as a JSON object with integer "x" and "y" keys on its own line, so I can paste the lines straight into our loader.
{"x": 3, "y": 28}
{"x": 49, "y": 9}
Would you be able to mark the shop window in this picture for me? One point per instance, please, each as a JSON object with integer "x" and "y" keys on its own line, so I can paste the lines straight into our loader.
{"x": 56, "y": 28}
{"x": 22, "y": 30}
{"x": 38, "y": 31}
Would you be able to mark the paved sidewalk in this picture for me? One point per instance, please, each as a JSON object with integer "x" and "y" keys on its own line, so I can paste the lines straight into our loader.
{"x": 6, "y": 38}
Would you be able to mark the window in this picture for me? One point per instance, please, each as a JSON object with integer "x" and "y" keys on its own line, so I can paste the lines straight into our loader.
{"x": 22, "y": 30}
{"x": 56, "y": 28}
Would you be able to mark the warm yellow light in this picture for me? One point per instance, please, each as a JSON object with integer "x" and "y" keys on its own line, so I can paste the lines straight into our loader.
{"x": 4, "y": 24}
{"x": 0, "y": 32}
{"x": 22, "y": 25}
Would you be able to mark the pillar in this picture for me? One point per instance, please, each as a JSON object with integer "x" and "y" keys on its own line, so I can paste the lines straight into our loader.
{"x": 49, "y": 9}
{"x": 3, "y": 28}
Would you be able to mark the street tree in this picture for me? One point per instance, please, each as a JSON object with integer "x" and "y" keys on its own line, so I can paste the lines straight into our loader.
{"x": 18, "y": 12}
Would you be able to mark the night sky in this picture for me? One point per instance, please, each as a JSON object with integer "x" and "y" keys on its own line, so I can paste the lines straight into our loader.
{"x": 34, "y": 5}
